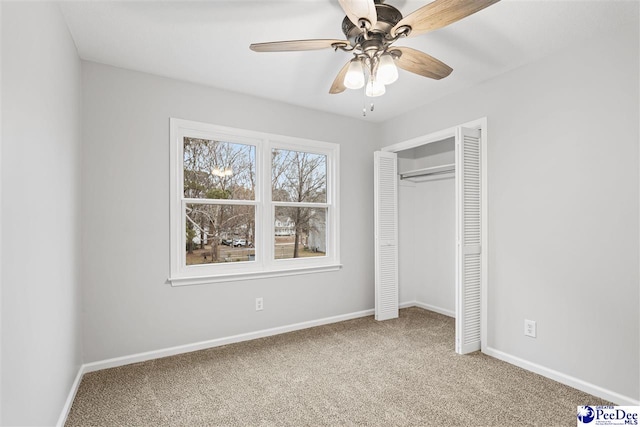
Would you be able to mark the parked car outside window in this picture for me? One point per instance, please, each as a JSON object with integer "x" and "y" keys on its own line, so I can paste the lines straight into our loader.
{"x": 241, "y": 242}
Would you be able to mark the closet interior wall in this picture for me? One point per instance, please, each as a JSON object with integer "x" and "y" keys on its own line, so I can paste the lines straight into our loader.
{"x": 426, "y": 229}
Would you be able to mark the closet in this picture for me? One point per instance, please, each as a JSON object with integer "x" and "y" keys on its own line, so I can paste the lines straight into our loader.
{"x": 427, "y": 226}
{"x": 428, "y": 229}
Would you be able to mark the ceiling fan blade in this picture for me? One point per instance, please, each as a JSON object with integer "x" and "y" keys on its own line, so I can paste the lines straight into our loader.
{"x": 356, "y": 9}
{"x": 420, "y": 63}
{"x": 296, "y": 45}
{"x": 338, "y": 84}
{"x": 440, "y": 13}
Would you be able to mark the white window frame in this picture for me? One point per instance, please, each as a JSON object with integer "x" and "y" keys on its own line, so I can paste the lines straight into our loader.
{"x": 265, "y": 264}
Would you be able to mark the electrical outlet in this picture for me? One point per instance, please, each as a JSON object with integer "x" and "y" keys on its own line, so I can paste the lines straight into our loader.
{"x": 530, "y": 328}
{"x": 259, "y": 304}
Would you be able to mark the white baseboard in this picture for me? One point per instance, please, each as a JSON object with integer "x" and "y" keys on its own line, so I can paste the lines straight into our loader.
{"x": 172, "y": 351}
{"x": 187, "y": 348}
{"x": 576, "y": 383}
{"x": 202, "y": 345}
{"x": 436, "y": 309}
{"x": 72, "y": 395}
{"x": 429, "y": 307}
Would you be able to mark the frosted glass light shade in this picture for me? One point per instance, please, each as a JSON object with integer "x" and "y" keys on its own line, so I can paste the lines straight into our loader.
{"x": 374, "y": 88}
{"x": 387, "y": 70}
{"x": 354, "y": 79}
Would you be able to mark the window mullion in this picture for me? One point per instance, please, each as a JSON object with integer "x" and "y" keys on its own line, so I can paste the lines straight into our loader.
{"x": 268, "y": 234}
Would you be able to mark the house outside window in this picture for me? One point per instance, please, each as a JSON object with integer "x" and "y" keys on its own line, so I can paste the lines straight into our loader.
{"x": 284, "y": 226}
{"x": 247, "y": 204}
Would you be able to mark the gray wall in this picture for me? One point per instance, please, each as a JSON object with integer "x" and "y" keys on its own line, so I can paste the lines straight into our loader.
{"x": 408, "y": 254}
{"x": 435, "y": 224}
{"x": 563, "y": 205}
{"x": 41, "y": 83}
{"x": 129, "y": 307}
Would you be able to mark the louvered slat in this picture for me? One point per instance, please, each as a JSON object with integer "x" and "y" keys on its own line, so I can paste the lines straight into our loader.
{"x": 469, "y": 239}
{"x": 386, "y": 235}
{"x": 471, "y": 299}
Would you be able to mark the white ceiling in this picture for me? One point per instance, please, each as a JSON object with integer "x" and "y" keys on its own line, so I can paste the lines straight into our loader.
{"x": 207, "y": 42}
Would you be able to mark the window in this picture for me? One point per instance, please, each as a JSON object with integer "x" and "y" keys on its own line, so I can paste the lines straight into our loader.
{"x": 299, "y": 197}
{"x": 247, "y": 204}
{"x": 218, "y": 180}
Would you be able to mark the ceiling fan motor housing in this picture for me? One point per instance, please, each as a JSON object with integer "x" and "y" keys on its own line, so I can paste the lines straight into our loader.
{"x": 388, "y": 17}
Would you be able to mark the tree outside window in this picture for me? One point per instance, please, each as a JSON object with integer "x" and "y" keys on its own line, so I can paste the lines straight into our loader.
{"x": 299, "y": 179}
{"x": 217, "y": 173}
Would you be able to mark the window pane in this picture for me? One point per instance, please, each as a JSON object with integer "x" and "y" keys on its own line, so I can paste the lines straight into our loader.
{"x": 300, "y": 232}
{"x": 219, "y": 233}
{"x": 218, "y": 170}
{"x": 297, "y": 176}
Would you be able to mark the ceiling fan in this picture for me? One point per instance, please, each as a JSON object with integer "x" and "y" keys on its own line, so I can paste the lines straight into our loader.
{"x": 371, "y": 27}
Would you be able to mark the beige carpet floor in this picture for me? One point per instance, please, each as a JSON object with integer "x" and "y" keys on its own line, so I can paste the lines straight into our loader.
{"x": 401, "y": 372}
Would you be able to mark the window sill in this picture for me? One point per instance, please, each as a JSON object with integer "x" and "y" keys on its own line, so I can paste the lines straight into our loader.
{"x": 233, "y": 277}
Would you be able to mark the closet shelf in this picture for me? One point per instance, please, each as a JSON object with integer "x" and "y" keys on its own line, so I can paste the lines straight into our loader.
{"x": 443, "y": 169}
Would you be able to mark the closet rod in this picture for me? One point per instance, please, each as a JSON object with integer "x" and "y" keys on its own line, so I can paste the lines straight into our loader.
{"x": 428, "y": 171}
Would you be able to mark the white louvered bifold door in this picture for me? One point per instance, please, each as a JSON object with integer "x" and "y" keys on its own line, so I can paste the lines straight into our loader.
{"x": 468, "y": 224}
{"x": 386, "y": 235}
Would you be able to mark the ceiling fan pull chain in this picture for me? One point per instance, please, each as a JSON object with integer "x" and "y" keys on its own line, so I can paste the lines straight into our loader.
{"x": 364, "y": 103}
{"x": 372, "y": 106}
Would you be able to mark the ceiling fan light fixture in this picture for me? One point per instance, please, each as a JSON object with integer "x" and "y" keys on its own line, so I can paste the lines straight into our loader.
{"x": 374, "y": 88}
{"x": 387, "y": 70}
{"x": 221, "y": 172}
{"x": 354, "y": 79}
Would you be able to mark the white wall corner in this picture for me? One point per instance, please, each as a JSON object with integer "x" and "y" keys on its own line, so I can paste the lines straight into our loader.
{"x": 407, "y": 304}
{"x": 439, "y": 310}
{"x": 70, "y": 398}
